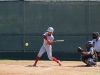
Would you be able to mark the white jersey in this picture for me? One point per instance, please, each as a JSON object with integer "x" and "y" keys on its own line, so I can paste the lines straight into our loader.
{"x": 51, "y": 38}
{"x": 97, "y": 44}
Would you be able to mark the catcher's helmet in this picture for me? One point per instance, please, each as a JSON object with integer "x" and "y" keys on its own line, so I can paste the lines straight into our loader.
{"x": 50, "y": 29}
{"x": 95, "y": 35}
{"x": 89, "y": 44}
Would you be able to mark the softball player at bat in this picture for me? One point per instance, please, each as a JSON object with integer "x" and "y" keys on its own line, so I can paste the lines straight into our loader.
{"x": 47, "y": 46}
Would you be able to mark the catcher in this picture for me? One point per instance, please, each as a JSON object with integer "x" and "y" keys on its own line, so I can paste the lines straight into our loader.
{"x": 89, "y": 57}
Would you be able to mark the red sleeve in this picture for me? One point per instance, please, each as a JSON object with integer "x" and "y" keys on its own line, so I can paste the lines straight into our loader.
{"x": 50, "y": 43}
{"x": 45, "y": 37}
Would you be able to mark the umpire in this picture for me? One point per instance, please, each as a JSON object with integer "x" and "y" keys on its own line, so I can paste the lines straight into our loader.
{"x": 89, "y": 57}
{"x": 96, "y": 42}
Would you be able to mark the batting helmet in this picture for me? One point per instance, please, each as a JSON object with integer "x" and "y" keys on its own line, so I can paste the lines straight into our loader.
{"x": 50, "y": 29}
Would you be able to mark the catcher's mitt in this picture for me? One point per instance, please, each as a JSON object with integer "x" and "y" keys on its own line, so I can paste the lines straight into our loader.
{"x": 80, "y": 50}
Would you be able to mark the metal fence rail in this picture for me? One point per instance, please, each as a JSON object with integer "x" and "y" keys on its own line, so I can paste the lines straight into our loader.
{"x": 49, "y": 0}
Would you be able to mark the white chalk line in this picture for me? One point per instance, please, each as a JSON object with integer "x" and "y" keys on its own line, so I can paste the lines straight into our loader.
{"x": 38, "y": 71}
{"x": 46, "y": 69}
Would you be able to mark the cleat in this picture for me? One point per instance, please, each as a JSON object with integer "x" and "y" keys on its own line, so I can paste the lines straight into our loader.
{"x": 88, "y": 65}
{"x": 34, "y": 65}
{"x": 91, "y": 65}
{"x": 95, "y": 65}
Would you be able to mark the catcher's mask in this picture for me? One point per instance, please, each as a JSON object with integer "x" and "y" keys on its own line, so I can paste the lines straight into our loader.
{"x": 89, "y": 44}
{"x": 95, "y": 35}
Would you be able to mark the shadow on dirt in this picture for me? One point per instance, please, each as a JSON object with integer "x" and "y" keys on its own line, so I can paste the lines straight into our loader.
{"x": 30, "y": 66}
{"x": 37, "y": 66}
{"x": 76, "y": 66}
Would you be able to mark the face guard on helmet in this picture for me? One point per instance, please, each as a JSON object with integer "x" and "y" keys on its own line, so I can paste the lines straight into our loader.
{"x": 50, "y": 29}
{"x": 95, "y": 35}
{"x": 89, "y": 44}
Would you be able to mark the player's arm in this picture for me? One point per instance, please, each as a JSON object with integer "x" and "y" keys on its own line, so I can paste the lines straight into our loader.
{"x": 49, "y": 42}
{"x": 44, "y": 37}
{"x": 80, "y": 50}
{"x": 86, "y": 53}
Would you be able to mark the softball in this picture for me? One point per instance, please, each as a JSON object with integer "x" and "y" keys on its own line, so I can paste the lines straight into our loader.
{"x": 26, "y": 44}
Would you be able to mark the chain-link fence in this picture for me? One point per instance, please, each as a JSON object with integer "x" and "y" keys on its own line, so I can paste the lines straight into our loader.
{"x": 26, "y": 21}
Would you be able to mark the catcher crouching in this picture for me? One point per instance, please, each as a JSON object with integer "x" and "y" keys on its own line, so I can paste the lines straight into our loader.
{"x": 89, "y": 57}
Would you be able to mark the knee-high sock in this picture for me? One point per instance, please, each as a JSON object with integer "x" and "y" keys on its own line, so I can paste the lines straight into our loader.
{"x": 54, "y": 59}
{"x": 37, "y": 58}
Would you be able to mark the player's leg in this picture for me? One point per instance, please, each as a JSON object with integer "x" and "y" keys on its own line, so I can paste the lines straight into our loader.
{"x": 83, "y": 58}
{"x": 58, "y": 61}
{"x": 49, "y": 53}
{"x": 91, "y": 61}
{"x": 42, "y": 50}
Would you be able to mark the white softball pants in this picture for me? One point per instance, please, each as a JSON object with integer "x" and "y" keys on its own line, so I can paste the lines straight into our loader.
{"x": 46, "y": 49}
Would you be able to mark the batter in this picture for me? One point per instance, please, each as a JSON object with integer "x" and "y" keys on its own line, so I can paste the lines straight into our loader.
{"x": 47, "y": 46}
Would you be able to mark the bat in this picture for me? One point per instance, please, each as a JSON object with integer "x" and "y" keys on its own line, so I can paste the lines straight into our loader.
{"x": 58, "y": 41}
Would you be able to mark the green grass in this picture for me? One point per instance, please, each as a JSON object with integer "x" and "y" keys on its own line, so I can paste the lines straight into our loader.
{"x": 94, "y": 74}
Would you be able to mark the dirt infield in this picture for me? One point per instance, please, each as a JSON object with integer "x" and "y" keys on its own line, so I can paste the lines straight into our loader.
{"x": 47, "y": 68}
